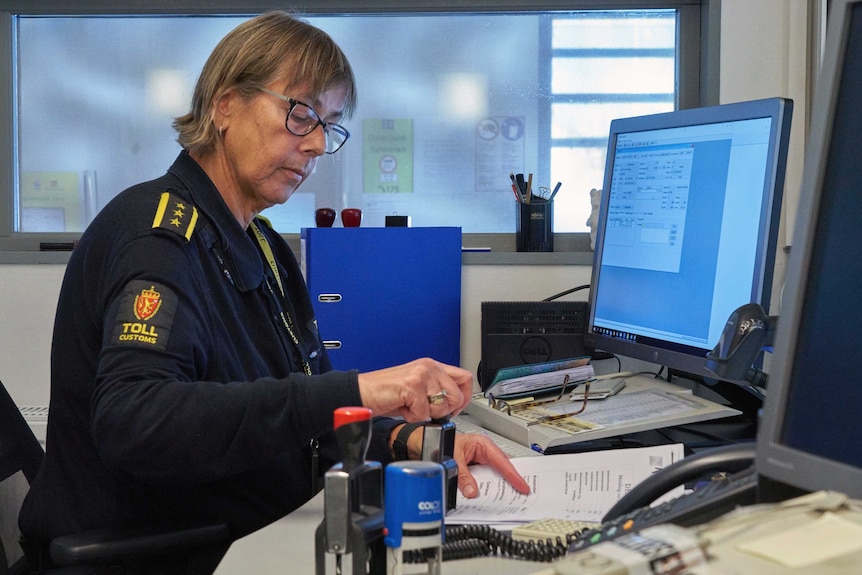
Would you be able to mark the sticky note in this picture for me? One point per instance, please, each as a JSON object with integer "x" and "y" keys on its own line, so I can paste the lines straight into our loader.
{"x": 809, "y": 543}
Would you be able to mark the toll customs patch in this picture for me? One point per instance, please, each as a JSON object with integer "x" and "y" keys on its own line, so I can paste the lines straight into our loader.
{"x": 145, "y": 315}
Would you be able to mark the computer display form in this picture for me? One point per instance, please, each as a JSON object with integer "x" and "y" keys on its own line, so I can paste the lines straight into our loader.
{"x": 688, "y": 228}
{"x": 810, "y": 436}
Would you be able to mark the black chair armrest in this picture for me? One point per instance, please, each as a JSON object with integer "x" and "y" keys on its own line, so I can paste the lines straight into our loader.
{"x": 108, "y": 545}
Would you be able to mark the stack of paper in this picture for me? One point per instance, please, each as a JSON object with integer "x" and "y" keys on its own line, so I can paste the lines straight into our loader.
{"x": 576, "y": 486}
{"x": 540, "y": 378}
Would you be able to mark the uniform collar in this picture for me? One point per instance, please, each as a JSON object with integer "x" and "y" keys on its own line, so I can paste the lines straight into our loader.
{"x": 235, "y": 246}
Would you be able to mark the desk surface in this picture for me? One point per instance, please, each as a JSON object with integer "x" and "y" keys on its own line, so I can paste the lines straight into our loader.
{"x": 287, "y": 546}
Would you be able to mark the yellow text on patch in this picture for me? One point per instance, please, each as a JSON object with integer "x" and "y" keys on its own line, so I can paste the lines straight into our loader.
{"x": 139, "y": 332}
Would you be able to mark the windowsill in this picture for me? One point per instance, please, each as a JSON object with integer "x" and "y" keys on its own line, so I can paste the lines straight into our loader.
{"x": 467, "y": 258}
{"x": 570, "y": 249}
{"x": 526, "y": 258}
{"x": 34, "y": 258}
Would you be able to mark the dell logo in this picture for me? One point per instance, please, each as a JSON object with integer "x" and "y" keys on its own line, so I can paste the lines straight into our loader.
{"x": 429, "y": 505}
{"x": 535, "y": 350}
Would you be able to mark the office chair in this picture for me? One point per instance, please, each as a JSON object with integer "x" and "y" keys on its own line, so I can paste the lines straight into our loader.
{"x": 20, "y": 457}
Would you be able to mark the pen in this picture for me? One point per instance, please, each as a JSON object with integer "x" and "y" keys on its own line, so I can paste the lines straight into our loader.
{"x": 529, "y": 192}
{"x": 515, "y": 187}
{"x": 519, "y": 181}
{"x": 517, "y": 196}
{"x": 556, "y": 189}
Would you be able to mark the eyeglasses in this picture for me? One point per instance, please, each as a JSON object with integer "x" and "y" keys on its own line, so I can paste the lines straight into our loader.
{"x": 550, "y": 418}
{"x": 302, "y": 120}
{"x": 516, "y": 406}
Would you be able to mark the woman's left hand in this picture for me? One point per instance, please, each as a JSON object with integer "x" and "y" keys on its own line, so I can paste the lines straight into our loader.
{"x": 477, "y": 448}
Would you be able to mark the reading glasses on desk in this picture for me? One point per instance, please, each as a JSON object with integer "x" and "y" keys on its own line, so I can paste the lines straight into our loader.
{"x": 507, "y": 406}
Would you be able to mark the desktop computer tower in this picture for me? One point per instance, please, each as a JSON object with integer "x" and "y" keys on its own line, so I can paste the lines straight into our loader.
{"x": 524, "y": 332}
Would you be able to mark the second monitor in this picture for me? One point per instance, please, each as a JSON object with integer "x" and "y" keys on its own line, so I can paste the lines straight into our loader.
{"x": 688, "y": 228}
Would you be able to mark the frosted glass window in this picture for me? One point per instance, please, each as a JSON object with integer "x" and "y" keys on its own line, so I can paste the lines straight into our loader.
{"x": 592, "y": 120}
{"x": 616, "y": 30}
{"x": 530, "y": 92}
{"x": 631, "y": 75}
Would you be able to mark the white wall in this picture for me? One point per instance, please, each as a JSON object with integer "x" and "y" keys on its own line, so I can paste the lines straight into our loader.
{"x": 28, "y": 300}
{"x": 763, "y": 54}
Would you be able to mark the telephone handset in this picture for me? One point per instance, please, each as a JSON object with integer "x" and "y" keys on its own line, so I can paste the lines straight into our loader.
{"x": 729, "y": 458}
{"x": 632, "y": 512}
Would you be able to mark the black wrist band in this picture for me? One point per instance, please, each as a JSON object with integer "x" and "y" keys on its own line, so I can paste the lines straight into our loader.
{"x": 399, "y": 446}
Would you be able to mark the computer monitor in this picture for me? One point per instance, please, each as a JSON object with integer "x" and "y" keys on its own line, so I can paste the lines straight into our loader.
{"x": 687, "y": 229}
{"x": 810, "y": 436}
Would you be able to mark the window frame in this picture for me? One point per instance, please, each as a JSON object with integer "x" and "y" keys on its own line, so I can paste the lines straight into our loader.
{"x": 697, "y": 75}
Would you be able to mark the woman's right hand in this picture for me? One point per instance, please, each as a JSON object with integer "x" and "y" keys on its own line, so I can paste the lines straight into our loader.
{"x": 406, "y": 390}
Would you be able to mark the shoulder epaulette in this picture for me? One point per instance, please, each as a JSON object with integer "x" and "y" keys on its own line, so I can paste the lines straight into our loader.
{"x": 176, "y": 215}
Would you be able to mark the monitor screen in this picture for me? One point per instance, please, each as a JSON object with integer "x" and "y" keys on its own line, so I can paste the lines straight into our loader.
{"x": 687, "y": 229}
{"x": 809, "y": 436}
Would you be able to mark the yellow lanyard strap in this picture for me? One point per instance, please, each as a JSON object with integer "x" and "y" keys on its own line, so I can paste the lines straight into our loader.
{"x": 285, "y": 317}
{"x": 267, "y": 253}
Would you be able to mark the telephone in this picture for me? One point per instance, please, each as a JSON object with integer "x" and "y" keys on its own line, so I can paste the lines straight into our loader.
{"x": 632, "y": 512}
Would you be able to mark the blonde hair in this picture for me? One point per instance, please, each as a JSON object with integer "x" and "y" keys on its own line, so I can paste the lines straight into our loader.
{"x": 269, "y": 47}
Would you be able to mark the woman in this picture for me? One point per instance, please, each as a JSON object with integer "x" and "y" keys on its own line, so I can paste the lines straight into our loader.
{"x": 188, "y": 378}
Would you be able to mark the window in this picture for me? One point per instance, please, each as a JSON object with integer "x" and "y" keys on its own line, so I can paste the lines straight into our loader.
{"x": 450, "y": 103}
{"x": 603, "y": 65}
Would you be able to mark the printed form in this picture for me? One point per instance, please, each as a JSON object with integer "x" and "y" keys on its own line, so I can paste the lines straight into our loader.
{"x": 576, "y": 486}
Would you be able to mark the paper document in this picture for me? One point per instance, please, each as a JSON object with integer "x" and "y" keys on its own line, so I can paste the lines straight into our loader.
{"x": 538, "y": 378}
{"x": 577, "y": 486}
{"x": 621, "y": 410}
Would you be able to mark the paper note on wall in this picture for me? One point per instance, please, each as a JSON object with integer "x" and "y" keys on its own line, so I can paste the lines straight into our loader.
{"x": 50, "y": 202}
{"x": 387, "y": 156}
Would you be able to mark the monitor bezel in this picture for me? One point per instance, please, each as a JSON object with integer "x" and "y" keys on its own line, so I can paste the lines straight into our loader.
{"x": 778, "y": 465}
{"x": 692, "y": 361}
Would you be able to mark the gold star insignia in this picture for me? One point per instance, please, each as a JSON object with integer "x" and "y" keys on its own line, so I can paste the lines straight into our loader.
{"x": 181, "y": 219}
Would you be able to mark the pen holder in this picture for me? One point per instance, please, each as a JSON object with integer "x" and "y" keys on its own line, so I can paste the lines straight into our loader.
{"x": 534, "y": 231}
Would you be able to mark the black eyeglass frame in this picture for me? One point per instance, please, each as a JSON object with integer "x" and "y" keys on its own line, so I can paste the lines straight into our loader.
{"x": 508, "y": 408}
{"x": 328, "y": 127}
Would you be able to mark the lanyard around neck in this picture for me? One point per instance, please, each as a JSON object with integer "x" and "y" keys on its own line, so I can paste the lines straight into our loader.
{"x": 268, "y": 255}
{"x": 285, "y": 317}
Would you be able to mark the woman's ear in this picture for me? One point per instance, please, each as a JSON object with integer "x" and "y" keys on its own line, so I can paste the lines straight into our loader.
{"x": 223, "y": 109}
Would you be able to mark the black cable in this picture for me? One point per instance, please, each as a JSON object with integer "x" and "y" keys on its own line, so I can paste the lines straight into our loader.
{"x": 655, "y": 374}
{"x": 567, "y": 292}
{"x": 467, "y": 541}
{"x": 612, "y": 356}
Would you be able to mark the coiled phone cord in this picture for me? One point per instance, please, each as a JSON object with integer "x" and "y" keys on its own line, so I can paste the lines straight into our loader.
{"x": 467, "y": 541}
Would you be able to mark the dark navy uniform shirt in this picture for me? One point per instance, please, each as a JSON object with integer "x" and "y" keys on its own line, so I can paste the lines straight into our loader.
{"x": 176, "y": 390}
